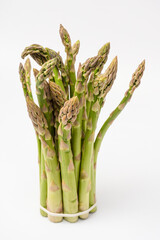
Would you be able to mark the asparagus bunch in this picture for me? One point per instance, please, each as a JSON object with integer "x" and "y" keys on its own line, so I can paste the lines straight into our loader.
{"x": 66, "y": 119}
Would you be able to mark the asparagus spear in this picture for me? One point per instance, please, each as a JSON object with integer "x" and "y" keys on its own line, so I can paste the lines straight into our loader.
{"x": 72, "y": 74}
{"x": 101, "y": 85}
{"x": 71, "y": 52}
{"x": 54, "y": 198}
{"x": 27, "y": 68}
{"x": 134, "y": 83}
{"x": 59, "y": 97}
{"x": 24, "y": 73}
{"x": 82, "y": 76}
{"x": 103, "y": 56}
{"x": 75, "y": 49}
{"x": 43, "y": 91}
{"x": 67, "y": 117}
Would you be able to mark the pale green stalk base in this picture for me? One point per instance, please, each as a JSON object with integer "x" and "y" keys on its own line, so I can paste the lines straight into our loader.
{"x": 43, "y": 214}
{"x": 92, "y": 197}
{"x": 43, "y": 187}
{"x": 54, "y": 200}
{"x": 93, "y": 210}
{"x": 54, "y": 193}
{"x": 85, "y": 172}
{"x": 92, "y": 194}
{"x": 70, "y": 202}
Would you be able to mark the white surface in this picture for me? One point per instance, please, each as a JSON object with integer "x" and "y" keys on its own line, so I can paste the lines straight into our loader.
{"x": 128, "y": 181}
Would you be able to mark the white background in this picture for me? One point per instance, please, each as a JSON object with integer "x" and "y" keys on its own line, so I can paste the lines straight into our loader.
{"x": 128, "y": 181}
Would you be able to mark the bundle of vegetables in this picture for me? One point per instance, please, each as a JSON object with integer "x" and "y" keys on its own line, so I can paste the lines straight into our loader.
{"x": 65, "y": 122}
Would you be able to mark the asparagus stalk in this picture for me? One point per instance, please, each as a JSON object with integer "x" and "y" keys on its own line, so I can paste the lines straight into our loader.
{"x": 27, "y": 68}
{"x": 67, "y": 116}
{"x": 103, "y": 56}
{"x": 42, "y": 170}
{"x": 54, "y": 198}
{"x": 24, "y": 73}
{"x": 59, "y": 97}
{"x": 75, "y": 49}
{"x": 85, "y": 179}
{"x": 84, "y": 71}
{"x": 134, "y": 83}
{"x": 71, "y": 52}
{"x": 72, "y": 74}
{"x": 43, "y": 92}
{"x": 101, "y": 85}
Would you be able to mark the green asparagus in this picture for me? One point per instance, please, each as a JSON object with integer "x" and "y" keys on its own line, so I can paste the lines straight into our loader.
{"x": 65, "y": 122}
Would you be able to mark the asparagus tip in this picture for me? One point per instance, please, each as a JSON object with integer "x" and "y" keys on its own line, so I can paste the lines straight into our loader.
{"x": 104, "y": 49}
{"x": 36, "y": 116}
{"x": 65, "y": 37}
{"x": 112, "y": 69}
{"x": 47, "y": 69}
{"x": 21, "y": 71}
{"x": 23, "y": 55}
{"x": 91, "y": 63}
{"x": 137, "y": 75}
{"x": 27, "y": 65}
{"x": 20, "y": 67}
{"x": 75, "y": 48}
{"x": 110, "y": 76}
{"x": 37, "y": 52}
{"x": 35, "y": 72}
{"x": 58, "y": 95}
{"x": 69, "y": 111}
